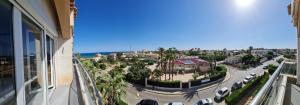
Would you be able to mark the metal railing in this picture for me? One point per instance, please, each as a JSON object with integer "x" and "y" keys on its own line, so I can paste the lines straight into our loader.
{"x": 90, "y": 93}
{"x": 265, "y": 90}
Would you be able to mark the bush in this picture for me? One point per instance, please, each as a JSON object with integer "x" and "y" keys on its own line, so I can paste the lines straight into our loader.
{"x": 214, "y": 75}
{"x": 272, "y": 68}
{"x": 102, "y": 66}
{"x": 279, "y": 60}
{"x": 168, "y": 84}
{"x": 123, "y": 65}
{"x": 195, "y": 75}
{"x": 121, "y": 102}
{"x": 261, "y": 83}
{"x": 237, "y": 95}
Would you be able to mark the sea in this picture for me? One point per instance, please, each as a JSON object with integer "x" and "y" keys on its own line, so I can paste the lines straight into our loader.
{"x": 91, "y": 55}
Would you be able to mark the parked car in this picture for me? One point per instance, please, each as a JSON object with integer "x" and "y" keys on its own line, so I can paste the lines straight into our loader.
{"x": 236, "y": 85}
{"x": 265, "y": 67}
{"x": 206, "y": 101}
{"x": 222, "y": 93}
{"x": 174, "y": 103}
{"x": 147, "y": 102}
{"x": 247, "y": 79}
{"x": 253, "y": 74}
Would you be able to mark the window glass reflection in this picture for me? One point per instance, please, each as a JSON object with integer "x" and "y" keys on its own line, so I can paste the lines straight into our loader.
{"x": 32, "y": 50}
{"x": 7, "y": 69}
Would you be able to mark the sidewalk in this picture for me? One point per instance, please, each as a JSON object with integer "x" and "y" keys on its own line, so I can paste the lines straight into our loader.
{"x": 182, "y": 92}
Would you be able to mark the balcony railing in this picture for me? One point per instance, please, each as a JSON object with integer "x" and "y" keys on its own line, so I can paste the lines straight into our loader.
{"x": 268, "y": 94}
{"x": 90, "y": 93}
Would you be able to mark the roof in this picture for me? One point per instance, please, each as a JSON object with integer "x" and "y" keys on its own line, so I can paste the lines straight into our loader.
{"x": 190, "y": 61}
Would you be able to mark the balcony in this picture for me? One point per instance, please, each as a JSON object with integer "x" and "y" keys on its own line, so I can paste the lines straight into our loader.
{"x": 280, "y": 89}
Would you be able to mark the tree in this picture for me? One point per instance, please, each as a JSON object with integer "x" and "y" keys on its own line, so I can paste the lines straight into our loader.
{"x": 162, "y": 60}
{"x": 195, "y": 76}
{"x": 91, "y": 67}
{"x": 168, "y": 58}
{"x": 102, "y": 66}
{"x": 138, "y": 71}
{"x": 157, "y": 74}
{"x": 250, "y": 49}
{"x": 123, "y": 66}
{"x": 173, "y": 58}
{"x": 279, "y": 60}
{"x": 119, "y": 55}
{"x": 112, "y": 86}
{"x": 78, "y": 55}
{"x": 270, "y": 55}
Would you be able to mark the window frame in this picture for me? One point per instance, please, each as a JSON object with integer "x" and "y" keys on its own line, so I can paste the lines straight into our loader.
{"x": 18, "y": 11}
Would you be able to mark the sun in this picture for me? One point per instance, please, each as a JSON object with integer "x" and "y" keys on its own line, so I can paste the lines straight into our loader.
{"x": 244, "y": 3}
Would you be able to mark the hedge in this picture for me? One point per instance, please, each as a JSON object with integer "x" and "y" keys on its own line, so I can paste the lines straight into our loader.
{"x": 261, "y": 83}
{"x": 140, "y": 82}
{"x": 220, "y": 73}
{"x": 237, "y": 95}
{"x": 167, "y": 84}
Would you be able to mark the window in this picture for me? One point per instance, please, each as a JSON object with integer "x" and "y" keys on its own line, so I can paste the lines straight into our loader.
{"x": 7, "y": 67}
{"x": 32, "y": 52}
{"x": 50, "y": 54}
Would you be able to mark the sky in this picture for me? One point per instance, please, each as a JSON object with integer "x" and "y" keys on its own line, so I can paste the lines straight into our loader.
{"x": 115, "y": 25}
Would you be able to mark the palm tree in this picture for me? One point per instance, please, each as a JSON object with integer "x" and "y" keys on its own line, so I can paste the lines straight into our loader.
{"x": 173, "y": 58}
{"x": 169, "y": 60}
{"x": 162, "y": 60}
{"x": 112, "y": 88}
{"x": 161, "y": 53}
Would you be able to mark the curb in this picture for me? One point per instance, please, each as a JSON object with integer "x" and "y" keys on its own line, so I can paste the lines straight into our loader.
{"x": 181, "y": 92}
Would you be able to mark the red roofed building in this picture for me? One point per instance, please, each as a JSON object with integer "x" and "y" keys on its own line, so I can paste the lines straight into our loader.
{"x": 191, "y": 64}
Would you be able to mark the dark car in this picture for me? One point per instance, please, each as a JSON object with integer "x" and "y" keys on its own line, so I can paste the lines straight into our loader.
{"x": 147, "y": 102}
{"x": 265, "y": 67}
{"x": 237, "y": 85}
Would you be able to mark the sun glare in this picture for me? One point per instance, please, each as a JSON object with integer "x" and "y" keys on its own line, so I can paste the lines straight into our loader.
{"x": 244, "y": 3}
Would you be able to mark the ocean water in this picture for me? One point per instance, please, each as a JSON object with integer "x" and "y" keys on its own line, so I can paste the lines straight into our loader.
{"x": 91, "y": 55}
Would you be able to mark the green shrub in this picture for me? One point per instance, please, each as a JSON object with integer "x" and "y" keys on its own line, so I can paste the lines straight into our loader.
{"x": 123, "y": 65}
{"x": 261, "y": 83}
{"x": 279, "y": 60}
{"x": 237, "y": 95}
{"x": 121, "y": 102}
{"x": 272, "y": 68}
{"x": 195, "y": 75}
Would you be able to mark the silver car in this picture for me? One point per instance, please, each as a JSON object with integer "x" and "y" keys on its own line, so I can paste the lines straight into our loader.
{"x": 174, "y": 103}
{"x": 222, "y": 93}
{"x": 206, "y": 101}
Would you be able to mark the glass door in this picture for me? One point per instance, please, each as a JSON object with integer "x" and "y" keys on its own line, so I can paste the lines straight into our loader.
{"x": 33, "y": 55}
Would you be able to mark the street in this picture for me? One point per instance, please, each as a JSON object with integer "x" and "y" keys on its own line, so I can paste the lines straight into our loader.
{"x": 133, "y": 96}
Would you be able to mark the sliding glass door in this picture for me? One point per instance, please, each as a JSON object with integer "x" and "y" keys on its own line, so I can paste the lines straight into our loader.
{"x": 33, "y": 69}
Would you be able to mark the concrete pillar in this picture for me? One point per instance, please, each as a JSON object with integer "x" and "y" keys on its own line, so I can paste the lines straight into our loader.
{"x": 146, "y": 84}
{"x": 190, "y": 85}
{"x": 180, "y": 85}
{"x": 298, "y": 59}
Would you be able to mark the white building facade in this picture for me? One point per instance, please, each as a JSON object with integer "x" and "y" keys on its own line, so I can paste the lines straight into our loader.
{"x": 36, "y": 47}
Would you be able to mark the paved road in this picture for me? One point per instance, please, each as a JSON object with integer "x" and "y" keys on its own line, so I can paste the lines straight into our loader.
{"x": 190, "y": 98}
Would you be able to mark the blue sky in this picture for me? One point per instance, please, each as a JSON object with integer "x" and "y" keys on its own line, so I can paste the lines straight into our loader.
{"x": 114, "y": 25}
